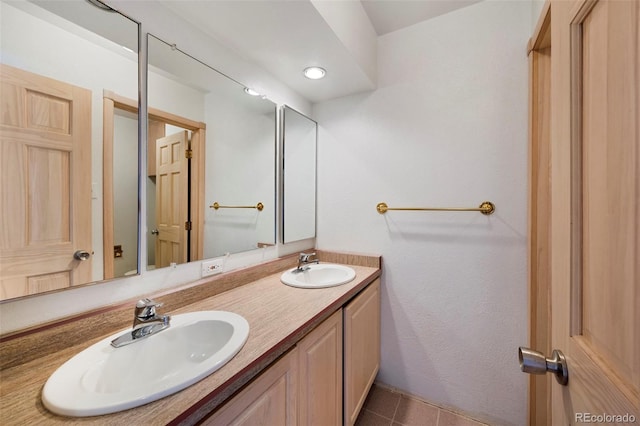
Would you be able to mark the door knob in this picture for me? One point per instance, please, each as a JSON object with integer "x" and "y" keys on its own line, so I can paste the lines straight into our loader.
{"x": 534, "y": 362}
{"x": 81, "y": 255}
{"x": 155, "y": 232}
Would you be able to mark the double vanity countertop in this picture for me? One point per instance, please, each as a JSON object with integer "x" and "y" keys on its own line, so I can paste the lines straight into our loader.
{"x": 278, "y": 315}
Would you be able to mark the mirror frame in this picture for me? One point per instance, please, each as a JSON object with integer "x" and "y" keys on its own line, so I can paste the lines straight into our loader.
{"x": 283, "y": 186}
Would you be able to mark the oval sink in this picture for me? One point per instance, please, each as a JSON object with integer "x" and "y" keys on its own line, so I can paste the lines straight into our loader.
{"x": 319, "y": 276}
{"x": 103, "y": 379}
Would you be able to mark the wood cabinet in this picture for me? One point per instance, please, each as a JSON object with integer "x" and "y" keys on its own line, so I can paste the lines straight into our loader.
{"x": 323, "y": 381}
{"x": 320, "y": 369}
{"x": 361, "y": 349}
{"x": 271, "y": 399}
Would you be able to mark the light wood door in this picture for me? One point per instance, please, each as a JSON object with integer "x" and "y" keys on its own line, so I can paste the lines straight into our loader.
{"x": 172, "y": 199}
{"x": 320, "y": 383}
{"x": 595, "y": 213}
{"x": 271, "y": 399}
{"x": 361, "y": 349}
{"x": 540, "y": 204}
{"x": 45, "y": 183}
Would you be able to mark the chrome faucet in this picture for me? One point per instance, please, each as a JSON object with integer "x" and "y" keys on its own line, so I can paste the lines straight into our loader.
{"x": 304, "y": 261}
{"x": 146, "y": 322}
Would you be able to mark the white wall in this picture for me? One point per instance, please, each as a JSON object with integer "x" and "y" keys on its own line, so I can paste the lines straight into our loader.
{"x": 446, "y": 127}
{"x": 536, "y": 9}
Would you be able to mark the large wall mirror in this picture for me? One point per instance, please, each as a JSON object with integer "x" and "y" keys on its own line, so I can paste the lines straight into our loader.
{"x": 299, "y": 176}
{"x": 211, "y": 161}
{"x": 66, "y": 218}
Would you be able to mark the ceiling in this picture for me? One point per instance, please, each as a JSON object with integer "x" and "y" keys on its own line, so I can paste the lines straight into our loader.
{"x": 391, "y": 15}
{"x": 284, "y": 36}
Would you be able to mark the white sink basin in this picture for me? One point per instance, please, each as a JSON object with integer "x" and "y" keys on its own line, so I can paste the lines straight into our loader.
{"x": 103, "y": 379}
{"x": 319, "y": 276}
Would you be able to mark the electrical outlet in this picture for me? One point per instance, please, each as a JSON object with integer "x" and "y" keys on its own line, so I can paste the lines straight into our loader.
{"x": 212, "y": 267}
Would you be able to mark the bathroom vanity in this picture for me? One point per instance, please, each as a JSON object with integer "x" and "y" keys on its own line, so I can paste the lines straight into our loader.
{"x": 294, "y": 352}
{"x": 307, "y": 383}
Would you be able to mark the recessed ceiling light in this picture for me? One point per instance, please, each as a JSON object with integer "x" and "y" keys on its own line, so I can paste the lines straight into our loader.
{"x": 251, "y": 92}
{"x": 314, "y": 73}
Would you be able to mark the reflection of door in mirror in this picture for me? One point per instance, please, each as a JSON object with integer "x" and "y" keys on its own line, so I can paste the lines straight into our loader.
{"x": 45, "y": 152}
{"x": 78, "y": 44}
{"x": 178, "y": 219}
{"x": 120, "y": 190}
{"x": 175, "y": 189}
{"x": 172, "y": 200}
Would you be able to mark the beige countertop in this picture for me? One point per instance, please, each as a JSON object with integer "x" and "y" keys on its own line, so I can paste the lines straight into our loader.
{"x": 278, "y": 317}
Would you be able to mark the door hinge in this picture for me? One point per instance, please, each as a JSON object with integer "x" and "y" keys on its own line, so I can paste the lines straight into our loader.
{"x": 188, "y": 153}
{"x": 187, "y": 226}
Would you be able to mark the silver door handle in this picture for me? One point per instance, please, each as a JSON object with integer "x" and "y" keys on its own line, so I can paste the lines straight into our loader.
{"x": 534, "y": 362}
{"x": 155, "y": 232}
{"x": 81, "y": 255}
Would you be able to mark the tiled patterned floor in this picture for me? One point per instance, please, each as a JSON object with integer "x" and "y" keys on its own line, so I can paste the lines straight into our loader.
{"x": 385, "y": 407}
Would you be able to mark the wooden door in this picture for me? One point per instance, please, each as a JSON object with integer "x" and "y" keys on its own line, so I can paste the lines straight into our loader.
{"x": 270, "y": 399}
{"x": 361, "y": 349}
{"x": 172, "y": 199}
{"x": 595, "y": 267}
{"x": 539, "y": 204}
{"x": 45, "y": 183}
{"x": 320, "y": 364}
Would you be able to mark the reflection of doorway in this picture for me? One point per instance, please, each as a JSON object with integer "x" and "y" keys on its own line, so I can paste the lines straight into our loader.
{"x": 45, "y": 151}
{"x": 159, "y": 122}
{"x": 125, "y": 192}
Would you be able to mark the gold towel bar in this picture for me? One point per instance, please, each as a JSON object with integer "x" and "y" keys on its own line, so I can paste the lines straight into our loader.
{"x": 217, "y": 206}
{"x": 487, "y": 207}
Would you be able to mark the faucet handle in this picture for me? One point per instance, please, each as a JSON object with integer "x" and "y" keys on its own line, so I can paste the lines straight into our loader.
{"x": 147, "y": 302}
{"x": 146, "y": 308}
{"x": 304, "y": 257}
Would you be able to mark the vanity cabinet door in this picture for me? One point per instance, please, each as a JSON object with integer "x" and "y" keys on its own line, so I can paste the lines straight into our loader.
{"x": 271, "y": 399}
{"x": 361, "y": 349}
{"x": 320, "y": 380}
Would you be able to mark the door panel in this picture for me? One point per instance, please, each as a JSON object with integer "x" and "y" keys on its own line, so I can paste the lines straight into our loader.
{"x": 320, "y": 384}
{"x": 361, "y": 349}
{"x": 45, "y": 158}
{"x": 595, "y": 210}
{"x": 610, "y": 185}
{"x": 271, "y": 399}
{"x": 48, "y": 191}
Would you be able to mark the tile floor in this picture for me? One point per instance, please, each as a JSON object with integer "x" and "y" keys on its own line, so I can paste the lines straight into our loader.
{"x": 385, "y": 407}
